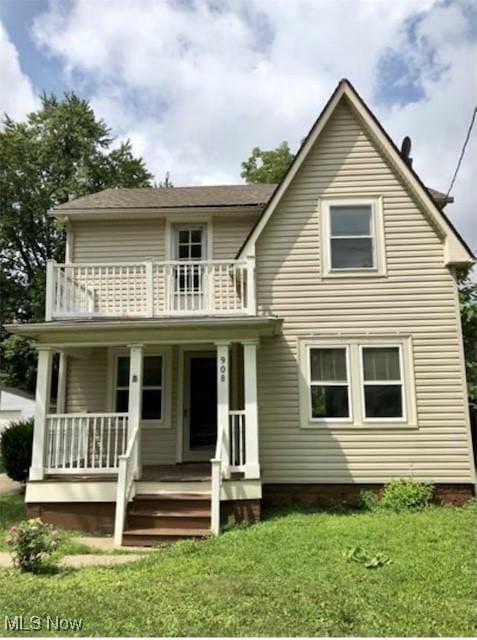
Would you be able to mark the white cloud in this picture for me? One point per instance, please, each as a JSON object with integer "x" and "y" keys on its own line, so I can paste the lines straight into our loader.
{"x": 16, "y": 93}
{"x": 196, "y": 85}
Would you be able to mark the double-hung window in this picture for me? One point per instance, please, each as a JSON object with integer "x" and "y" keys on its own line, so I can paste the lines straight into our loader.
{"x": 329, "y": 386}
{"x": 152, "y": 386}
{"x": 357, "y": 382}
{"x": 352, "y": 237}
{"x": 382, "y": 383}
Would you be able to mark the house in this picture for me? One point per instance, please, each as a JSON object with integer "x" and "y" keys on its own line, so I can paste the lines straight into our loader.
{"x": 15, "y": 404}
{"x": 223, "y": 347}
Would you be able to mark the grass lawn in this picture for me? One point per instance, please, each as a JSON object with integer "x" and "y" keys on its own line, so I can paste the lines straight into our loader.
{"x": 285, "y": 576}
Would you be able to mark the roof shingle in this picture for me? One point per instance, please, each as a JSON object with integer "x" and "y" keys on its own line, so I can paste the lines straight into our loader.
{"x": 176, "y": 197}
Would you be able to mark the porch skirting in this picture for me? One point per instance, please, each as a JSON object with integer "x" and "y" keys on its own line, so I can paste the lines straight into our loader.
{"x": 329, "y": 495}
{"x": 93, "y": 517}
{"x": 98, "y": 517}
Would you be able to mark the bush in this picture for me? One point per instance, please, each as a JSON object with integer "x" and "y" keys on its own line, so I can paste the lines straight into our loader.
{"x": 16, "y": 445}
{"x": 399, "y": 495}
{"x": 32, "y": 542}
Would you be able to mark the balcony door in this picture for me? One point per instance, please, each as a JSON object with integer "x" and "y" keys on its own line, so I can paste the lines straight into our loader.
{"x": 189, "y": 286}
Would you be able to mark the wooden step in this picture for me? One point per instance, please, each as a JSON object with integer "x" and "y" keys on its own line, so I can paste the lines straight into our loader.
{"x": 151, "y": 536}
{"x": 205, "y": 496}
{"x": 144, "y": 520}
{"x": 185, "y": 503}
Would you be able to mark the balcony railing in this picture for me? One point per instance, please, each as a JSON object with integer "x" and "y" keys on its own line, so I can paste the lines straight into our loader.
{"x": 150, "y": 289}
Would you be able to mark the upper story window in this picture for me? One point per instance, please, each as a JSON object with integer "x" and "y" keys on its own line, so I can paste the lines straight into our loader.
{"x": 352, "y": 237}
{"x": 190, "y": 243}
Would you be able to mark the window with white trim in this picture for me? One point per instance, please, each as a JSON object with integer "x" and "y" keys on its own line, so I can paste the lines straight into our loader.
{"x": 152, "y": 386}
{"x": 382, "y": 383}
{"x": 360, "y": 381}
{"x": 352, "y": 237}
{"x": 329, "y": 387}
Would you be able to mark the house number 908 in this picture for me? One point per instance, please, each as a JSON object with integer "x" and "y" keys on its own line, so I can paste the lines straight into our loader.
{"x": 222, "y": 369}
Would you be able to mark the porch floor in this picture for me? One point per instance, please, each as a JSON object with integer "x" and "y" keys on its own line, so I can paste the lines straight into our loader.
{"x": 185, "y": 472}
{"x": 181, "y": 472}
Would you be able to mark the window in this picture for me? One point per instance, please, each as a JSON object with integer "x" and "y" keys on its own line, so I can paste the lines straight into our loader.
{"x": 152, "y": 396}
{"x": 189, "y": 244}
{"x": 357, "y": 381}
{"x": 382, "y": 382}
{"x": 329, "y": 390}
{"x": 351, "y": 237}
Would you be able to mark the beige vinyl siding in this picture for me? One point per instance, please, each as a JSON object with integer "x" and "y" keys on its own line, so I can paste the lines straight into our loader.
{"x": 229, "y": 233}
{"x": 129, "y": 241}
{"x": 119, "y": 240}
{"x": 417, "y": 298}
{"x": 86, "y": 382}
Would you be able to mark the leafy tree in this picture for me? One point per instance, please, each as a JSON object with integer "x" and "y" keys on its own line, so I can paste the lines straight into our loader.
{"x": 267, "y": 166}
{"x": 468, "y": 314}
{"x": 60, "y": 152}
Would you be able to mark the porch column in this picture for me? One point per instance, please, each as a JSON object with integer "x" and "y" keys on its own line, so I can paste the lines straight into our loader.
{"x": 42, "y": 407}
{"x": 223, "y": 362}
{"x": 61, "y": 389}
{"x": 135, "y": 399}
{"x": 252, "y": 466}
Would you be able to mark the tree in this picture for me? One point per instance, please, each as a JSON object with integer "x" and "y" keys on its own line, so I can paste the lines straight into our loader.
{"x": 60, "y": 152}
{"x": 267, "y": 166}
{"x": 468, "y": 314}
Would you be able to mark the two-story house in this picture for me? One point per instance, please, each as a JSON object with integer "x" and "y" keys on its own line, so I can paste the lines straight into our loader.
{"x": 223, "y": 346}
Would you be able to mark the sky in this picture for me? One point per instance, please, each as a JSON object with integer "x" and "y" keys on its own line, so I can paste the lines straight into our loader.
{"x": 196, "y": 84}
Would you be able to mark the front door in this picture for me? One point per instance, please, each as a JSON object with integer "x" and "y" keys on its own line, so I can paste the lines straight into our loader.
{"x": 200, "y": 410}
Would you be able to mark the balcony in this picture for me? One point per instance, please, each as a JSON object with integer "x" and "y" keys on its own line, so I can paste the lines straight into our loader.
{"x": 150, "y": 289}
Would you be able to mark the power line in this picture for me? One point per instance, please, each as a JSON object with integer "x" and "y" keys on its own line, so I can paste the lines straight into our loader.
{"x": 469, "y": 131}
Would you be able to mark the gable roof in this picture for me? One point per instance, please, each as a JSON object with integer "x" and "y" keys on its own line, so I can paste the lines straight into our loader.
{"x": 237, "y": 195}
{"x": 457, "y": 252}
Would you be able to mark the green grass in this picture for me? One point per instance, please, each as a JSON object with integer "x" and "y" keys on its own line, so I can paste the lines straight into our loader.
{"x": 285, "y": 576}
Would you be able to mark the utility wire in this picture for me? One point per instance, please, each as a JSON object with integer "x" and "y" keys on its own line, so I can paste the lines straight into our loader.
{"x": 462, "y": 152}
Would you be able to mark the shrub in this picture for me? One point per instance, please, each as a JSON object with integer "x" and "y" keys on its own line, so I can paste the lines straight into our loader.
{"x": 32, "y": 542}
{"x": 399, "y": 495}
{"x": 406, "y": 495}
{"x": 369, "y": 500}
{"x": 16, "y": 445}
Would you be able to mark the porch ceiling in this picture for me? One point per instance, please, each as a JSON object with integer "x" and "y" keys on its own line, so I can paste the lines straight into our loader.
{"x": 165, "y": 330}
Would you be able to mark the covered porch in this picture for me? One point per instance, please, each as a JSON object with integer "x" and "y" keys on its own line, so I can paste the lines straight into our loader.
{"x": 199, "y": 416}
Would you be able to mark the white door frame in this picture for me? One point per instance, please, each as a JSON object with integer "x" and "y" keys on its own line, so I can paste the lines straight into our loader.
{"x": 186, "y": 353}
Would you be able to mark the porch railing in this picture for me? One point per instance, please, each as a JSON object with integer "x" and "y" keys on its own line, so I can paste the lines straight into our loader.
{"x": 85, "y": 442}
{"x": 229, "y": 456}
{"x": 150, "y": 289}
{"x": 237, "y": 441}
{"x": 125, "y": 487}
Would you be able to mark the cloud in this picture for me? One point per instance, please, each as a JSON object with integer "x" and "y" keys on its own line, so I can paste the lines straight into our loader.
{"x": 16, "y": 93}
{"x": 197, "y": 84}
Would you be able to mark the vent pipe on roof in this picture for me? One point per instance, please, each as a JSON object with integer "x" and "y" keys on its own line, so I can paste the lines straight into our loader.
{"x": 406, "y": 150}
